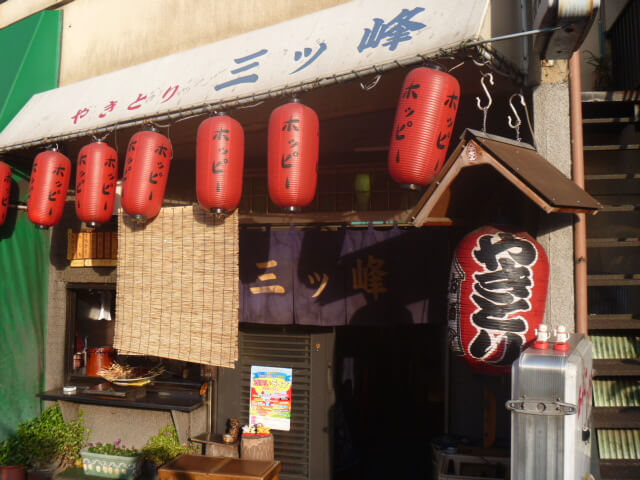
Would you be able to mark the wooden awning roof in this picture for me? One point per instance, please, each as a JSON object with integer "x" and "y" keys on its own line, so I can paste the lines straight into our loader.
{"x": 484, "y": 171}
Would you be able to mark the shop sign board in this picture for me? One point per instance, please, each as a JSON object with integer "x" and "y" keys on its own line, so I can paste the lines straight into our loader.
{"x": 361, "y": 37}
{"x": 270, "y": 397}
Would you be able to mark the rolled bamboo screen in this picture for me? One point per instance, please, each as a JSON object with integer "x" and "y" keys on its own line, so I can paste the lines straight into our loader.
{"x": 177, "y": 287}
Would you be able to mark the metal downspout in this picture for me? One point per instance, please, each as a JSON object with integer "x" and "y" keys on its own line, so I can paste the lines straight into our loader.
{"x": 580, "y": 227}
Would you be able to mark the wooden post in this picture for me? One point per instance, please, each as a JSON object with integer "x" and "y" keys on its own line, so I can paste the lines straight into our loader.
{"x": 257, "y": 448}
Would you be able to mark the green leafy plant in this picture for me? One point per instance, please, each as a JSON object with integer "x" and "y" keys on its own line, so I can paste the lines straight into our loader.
{"x": 10, "y": 453}
{"x": 603, "y": 76}
{"x": 45, "y": 441}
{"x": 116, "y": 448}
{"x": 165, "y": 446}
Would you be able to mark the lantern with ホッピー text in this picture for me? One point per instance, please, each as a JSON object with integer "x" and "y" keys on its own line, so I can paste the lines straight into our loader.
{"x": 219, "y": 163}
{"x": 294, "y": 131}
{"x": 96, "y": 178}
{"x": 5, "y": 191}
{"x": 425, "y": 117}
{"x": 497, "y": 296}
{"x": 146, "y": 172}
{"x": 50, "y": 176}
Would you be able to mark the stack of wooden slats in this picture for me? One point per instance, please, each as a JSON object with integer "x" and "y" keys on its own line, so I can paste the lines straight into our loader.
{"x": 89, "y": 248}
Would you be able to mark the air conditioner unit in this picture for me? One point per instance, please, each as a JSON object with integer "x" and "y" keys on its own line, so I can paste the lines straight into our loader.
{"x": 574, "y": 17}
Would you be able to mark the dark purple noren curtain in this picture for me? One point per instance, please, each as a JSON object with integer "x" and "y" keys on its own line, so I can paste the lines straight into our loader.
{"x": 345, "y": 277}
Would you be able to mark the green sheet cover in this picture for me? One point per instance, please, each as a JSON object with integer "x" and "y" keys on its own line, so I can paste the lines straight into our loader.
{"x": 30, "y": 57}
{"x": 24, "y": 273}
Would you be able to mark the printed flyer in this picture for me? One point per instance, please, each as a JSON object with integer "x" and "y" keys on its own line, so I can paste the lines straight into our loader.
{"x": 271, "y": 397}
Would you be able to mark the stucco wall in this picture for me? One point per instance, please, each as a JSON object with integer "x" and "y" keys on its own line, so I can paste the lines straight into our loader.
{"x": 504, "y": 17}
{"x": 552, "y": 119}
{"x": 100, "y": 37}
{"x": 12, "y": 11}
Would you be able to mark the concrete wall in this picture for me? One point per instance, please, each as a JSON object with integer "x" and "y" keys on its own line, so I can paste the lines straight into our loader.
{"x": 552, "y": 120}
{"x": 504, "y": 17}
{"x": 13, "y": 11}
{"x": 100, "y": 37}
{"x": 108, "y": 424}
{"x": 61, "y": 274}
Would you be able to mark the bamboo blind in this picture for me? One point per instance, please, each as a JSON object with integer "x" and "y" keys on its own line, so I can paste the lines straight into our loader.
{"x": 177, "y": 292}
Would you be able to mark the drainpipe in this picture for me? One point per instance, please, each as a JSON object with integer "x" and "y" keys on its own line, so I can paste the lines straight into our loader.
{"x": 580, "y": 227}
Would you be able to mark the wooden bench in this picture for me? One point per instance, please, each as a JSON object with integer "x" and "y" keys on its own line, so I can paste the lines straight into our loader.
{"x": 200, "y": 467}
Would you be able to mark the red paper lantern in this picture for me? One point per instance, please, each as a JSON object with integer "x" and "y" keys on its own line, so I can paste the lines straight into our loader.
{"x": 5, "y": 191}
{"x": 497, "y": 296}
{"x": 50, "y": 176}
{"x": 294, "y": 137}
{"x": 423, "y": 126}
{"x": 96, "y": 177}
{"x": 146, "y": 173}
{"x": 219, "y": 163}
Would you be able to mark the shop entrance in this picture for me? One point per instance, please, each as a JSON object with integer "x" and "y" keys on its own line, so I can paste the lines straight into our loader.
{"x": 389, "y": 384}
{"x": 366, "y": 400}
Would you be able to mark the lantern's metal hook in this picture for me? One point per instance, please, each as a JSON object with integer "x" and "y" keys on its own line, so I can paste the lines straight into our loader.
{"x": 372, "y": 84}
{"x": 101, "y": 139}
{"x": 516, "y": 125}
{"x": 482, "y": 62}
{"x": 457, "y": 66}
{"x": 485, "y": 109}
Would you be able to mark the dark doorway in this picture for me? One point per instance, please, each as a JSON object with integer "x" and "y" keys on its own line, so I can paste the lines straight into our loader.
{"x": 389, "y": 385}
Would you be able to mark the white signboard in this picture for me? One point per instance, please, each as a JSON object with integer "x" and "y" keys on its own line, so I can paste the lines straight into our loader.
{"x": 352, "y": 37}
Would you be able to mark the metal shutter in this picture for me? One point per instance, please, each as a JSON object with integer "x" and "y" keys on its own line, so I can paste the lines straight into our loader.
{"x": 291, "y": 348}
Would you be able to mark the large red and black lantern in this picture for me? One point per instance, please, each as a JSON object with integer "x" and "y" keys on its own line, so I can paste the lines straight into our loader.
{"x": 96, "y": 178}
{"x": 294, "y": 139}
{"x": 423, "y": 126}
{"x": 219, "y": 163}
{"x": 50, "y": 177}
{"x": 497, "y": 296}
{"x": 146, "y": 172}
{"x": 5, "y": 191}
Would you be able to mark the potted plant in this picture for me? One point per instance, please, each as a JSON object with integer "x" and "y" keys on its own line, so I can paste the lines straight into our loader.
{"x": 12, "y": 461}
{"x": 602, "y": 73}
{"x": 45, "y": 444}
{"x": 111, "y": 460}
{"x": 161, "y": 449}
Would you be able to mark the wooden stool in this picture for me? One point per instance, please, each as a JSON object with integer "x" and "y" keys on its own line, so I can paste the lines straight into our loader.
{"x": 257, "y": 448}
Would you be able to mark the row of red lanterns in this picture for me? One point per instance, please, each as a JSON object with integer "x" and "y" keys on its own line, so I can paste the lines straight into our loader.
{"x": 422, "y": 130}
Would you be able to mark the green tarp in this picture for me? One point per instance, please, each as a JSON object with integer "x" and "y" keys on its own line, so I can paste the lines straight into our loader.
{"x": 30, "y": 59}
{"x": 24, "y": 271}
